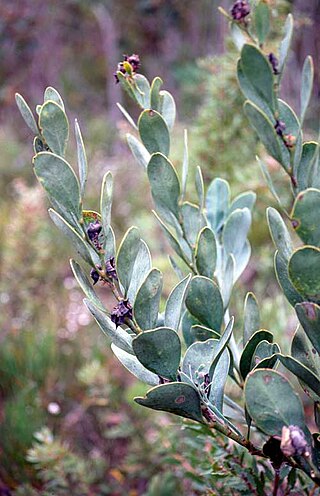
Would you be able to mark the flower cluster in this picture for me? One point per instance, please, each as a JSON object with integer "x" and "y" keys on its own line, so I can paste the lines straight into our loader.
{"x": 128, "y": 66}
{"x": 93, "y": 232}
{"x": 120, "y": 312}
{"x": 274, "y": 63}
{"x": 240, "y": 10}
{"x": 293, "y": 441}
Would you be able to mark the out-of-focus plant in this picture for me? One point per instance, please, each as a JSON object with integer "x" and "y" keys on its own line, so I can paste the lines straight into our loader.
{"x": 187, "y": 350}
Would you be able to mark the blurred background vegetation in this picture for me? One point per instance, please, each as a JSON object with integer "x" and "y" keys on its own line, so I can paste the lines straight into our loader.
{"x": 67, "y": 421}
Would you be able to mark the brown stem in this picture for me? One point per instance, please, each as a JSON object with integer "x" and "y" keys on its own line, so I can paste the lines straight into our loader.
{"x": 276, "y": 481}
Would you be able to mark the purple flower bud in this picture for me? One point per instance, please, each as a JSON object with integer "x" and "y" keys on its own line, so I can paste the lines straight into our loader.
{"x": 93, "y": 232}
{"x": 293, "y": 441}
{"x": 94, "y": 276}
{"x": 111, "y": 268}
{"x": 120, "y": 312}
{"x": 274, "y": 62}
{"x": 279, "y": 127}
{"x": 240, "y": 10}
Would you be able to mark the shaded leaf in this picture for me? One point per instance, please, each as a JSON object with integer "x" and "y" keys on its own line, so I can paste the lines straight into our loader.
{"x": 154, "y": 132}
{"x": 86, "y": 285}
{"x": 251, "y": 317}
{"x": 305, "y": 216}
{"x": 206, "y": 252}
{"x": 175, "y": 397}
{"x": 279, "y": 233}
{"x": 159, "y": 350}
{"x": 165, "y": 186}
{"x": 54, "y": 127}
{"x": 281, "y": 269}
{"x": 132, "y": 364}
{"x": 138, "y": 150}
{"x": 249, "y": 350}
{"x": 309, "y": 316}
{"x": 304, "y": 271}
{"x": 175, "y": 303}
{"x": 204, "y": 302}
{"x": 146, "y": 304}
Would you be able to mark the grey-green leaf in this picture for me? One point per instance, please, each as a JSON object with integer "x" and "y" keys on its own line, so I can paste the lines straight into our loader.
{"x": 302, "y": 350}
{"x": 281, "y": 269}
{"x": 175, "y": 397}
{"x": 132, "y": 364}
{"x": 141, "y": 267}
{"x": 82, "y": 159}
{"x": 168, "y": 108}
{"x": 146, "y": 304}
{"x": 165, "y": 186}
{"x": 206, "y": 252}
{"x": 261, "y": 16}
{"x": 26, "y": 113}
{"x": 251, "y": 317}
{"x": 159, "y": 350}
{"x": 304, "y": 271}
{"x": 244, "y": 200}
{"x": 117, "y": 335}
{"x": 175, "y": 304}
{"x": 249, "y": 350}
{"x": 138, "y": 150}
{"x": 106, "y": 201}
{"x": 154, "y": 132}
{"x": 272, "y": 402}
{"x": 285, "y": 43}
{"x": 53, "y": 95}
{"x": 258, "y": 71}
{"x": 217, "y": 203}
{"x": 309, "y": 316}
{"x": 279, "y": 233}
{"x": 86, "y": 285}
{"x": 306, "y": 86}
{"x": 61, "y": 185}
{"x": 126, "y": 256}
{"x": 305, "y": 216}
{"x": 205, "y": 303}
{"x": 54, "y": 127}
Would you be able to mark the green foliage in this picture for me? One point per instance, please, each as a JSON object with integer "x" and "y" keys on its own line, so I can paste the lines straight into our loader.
{"x": 209, "y": 241}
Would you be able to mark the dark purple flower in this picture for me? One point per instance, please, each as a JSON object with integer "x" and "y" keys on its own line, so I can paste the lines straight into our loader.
{"x": 274, "y": 62}
{"x": 120, "y": 312}
{"x": 240, "y": 10}
{"x": 94, "y": 276}
{"x": 93, "y": 232}
{"x": 134, "y": 61}
{"x": 293, "y": 441}
{"x": 279, "y": 127}
{"x": 111, "y": 268}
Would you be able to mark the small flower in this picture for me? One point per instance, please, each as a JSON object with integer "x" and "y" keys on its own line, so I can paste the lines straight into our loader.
{"x": 94, "y": 276}
{"x": 289, "y": 140}
{"x": 120, "y": 312}
{"x": 93, "y": 232}
{"x": 293, "y": 441}
{"x": 240, "y": 10}
{"x": 274, "y": 63}
{"x": 125, "y": 69}
{"x": 279, "y": 127}
{"x": 111, "y": 268}
{"x": 134, "y": 61}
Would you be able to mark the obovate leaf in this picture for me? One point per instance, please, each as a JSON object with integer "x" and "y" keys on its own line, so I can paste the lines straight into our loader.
{"x": 61, "y": 185}
{"x": 165, "y": 186}
{"x": 26, "y": 113}
{"x": 272, "y": 402}
{"x": 305, "y": 216}
{"x": 138, "y": 150}
{"x": 154, "y": 132}
{"x": 258, "y": 71}
{"x": 205, "y": 303}
{"x": 206, "y": 252}
{"x": 146, "y": 304}
{"x": 53, "y": 95}
{"x": 54, "y": 127}
{"x": 192, "y": 221}
{"x": 217, "y": 203}
{"x": 261, "y": 15}
{"x": 251, "y": 317}
{"x": 306, "y": 86}
{"x": 266, "y": 132}
{"x": 201, "y": 333}
{"x": 309, "y": 316}
{"x": 303, "y": 351}
{"x": 244, "y": 200}
{"x": 159, "y": 350}
{"x": 249, "y": 350}
{"x": 304, "y": 271}
{"x": 127, "y": 257}
{"x": 132, "y": 364}
{"x": 117, "y": 335}
{"x": 279, "y": 233}
{"x": 281, "y": 269}
{"x": 168, "y": 108}
{"x": 175, "y": 397}
{"x": 175, "y": 303}
{"x": 82, "y": 159}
